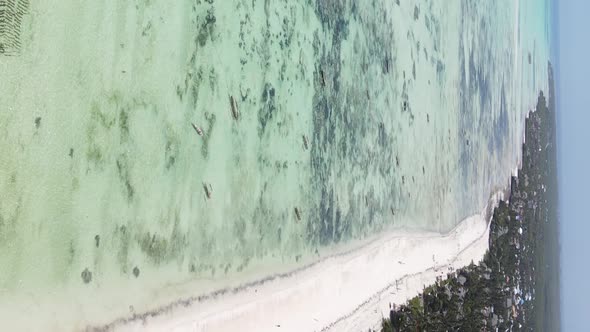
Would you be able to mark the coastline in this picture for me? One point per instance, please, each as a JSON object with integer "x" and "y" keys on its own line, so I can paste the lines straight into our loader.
{"x": 412, "y": 258}
{"x": 377, "y": 307}
{"x": 522, "y": 251}
{"x": 165, "y": 294}
{"x": 273, "y": 304}
{"x": 309, "y": 297}
{"x": 305, "y": 298}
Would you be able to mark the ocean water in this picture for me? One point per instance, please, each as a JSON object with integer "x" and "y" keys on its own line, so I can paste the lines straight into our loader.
{"x": 364, "y": 116}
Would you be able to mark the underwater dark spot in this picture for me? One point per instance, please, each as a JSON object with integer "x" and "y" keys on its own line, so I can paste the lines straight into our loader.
{"x": 160, "y": 248}
{"x": 440, "y": 67}
{"x": 416, "y": 12}
{"x": 136, "y": 271}
{"x": 86, "y": 276}
{"x": 267, "y": 111}
{"x": 123, "y": 171}
{"x": 71, "y": 154}
{"x": 170, "y": 155}
{"x": 97, "y": 240}
{"x": 130, "y": 190}
{"x": 71, "y": 252}
{"x": 38, "y": 122}
{"x": 207, "y": 28}
{"x": 124, "y": 123}
{"x": 211, "y": 118}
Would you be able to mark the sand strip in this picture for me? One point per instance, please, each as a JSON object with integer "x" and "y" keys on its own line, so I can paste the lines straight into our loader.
{"x": 345, "y": 292}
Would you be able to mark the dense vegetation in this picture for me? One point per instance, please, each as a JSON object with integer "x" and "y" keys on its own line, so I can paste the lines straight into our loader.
{"x": 515, "y": 286}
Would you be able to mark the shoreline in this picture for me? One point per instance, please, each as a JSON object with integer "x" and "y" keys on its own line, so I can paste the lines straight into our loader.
{"x": 179, "y": 316}
{"x": 266, "y": 303}
{"x": 370, "y": 313}
{"x": 118, "y": 299}
{"x": 237, "y": 296}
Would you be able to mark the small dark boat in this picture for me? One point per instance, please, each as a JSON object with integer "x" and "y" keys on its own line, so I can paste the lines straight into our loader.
{"x": 297, "y": 214}
{"x": 208, "y": 190}
{"x": 234, "y": 108}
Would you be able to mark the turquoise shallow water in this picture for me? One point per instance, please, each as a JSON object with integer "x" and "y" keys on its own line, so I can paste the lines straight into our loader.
{"x": 412, "y": 115}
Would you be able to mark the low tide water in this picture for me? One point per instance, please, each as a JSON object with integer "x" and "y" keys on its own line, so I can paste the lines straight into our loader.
{"x": 349, "y": 118}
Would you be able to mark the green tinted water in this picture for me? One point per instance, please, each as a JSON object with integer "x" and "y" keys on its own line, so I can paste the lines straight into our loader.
{"x": 412, "y": 114}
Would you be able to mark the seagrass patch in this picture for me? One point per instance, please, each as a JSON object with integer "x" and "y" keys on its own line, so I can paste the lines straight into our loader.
{"x": 11, "y": 18}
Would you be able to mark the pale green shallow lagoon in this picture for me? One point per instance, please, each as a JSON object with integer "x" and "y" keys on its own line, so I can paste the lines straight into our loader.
{"x": 418, "y": 121}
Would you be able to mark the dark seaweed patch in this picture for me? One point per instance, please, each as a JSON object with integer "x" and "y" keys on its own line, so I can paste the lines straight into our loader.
{"x": 154, "y": 246}
{"x": 86, "y": 276}
{"x": 207, "y": 29}
{"x": 123, "y": 237}
{"x": 124, "y": 176}
{"x": 211, "y": 118}
{"x": 11, "y": 20}
{"x": 163, "y": 248}
{"x": 94, "y": 154}
{"x": 171, "y": 149}
{"x": 124, "y": 123}
{"x": 268, "y": 109}
{"x": 169, "y": 155}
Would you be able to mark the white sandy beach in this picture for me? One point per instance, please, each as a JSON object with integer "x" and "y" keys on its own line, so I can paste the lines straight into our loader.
{"x": 103, "y": 218}
{"x": 349, "y": 292}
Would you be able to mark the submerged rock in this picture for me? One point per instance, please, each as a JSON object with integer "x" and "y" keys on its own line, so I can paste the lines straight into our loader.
{"x": 86, "y": 276}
